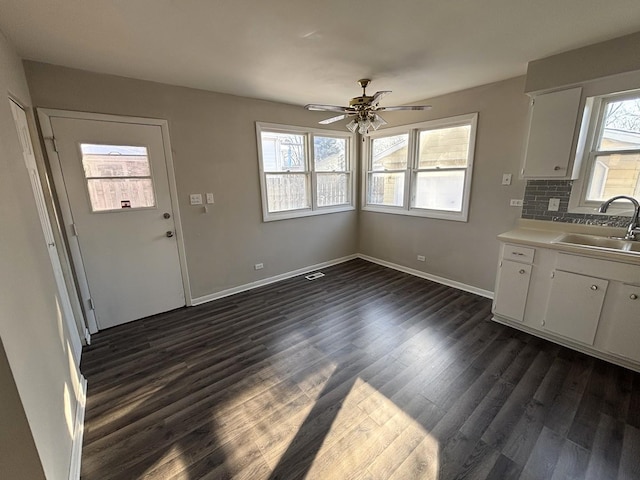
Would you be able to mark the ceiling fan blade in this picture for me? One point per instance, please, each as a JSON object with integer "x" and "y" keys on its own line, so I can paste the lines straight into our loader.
{"x": 404, "y": 107}
{"x": 327, "y": 108}
{"x": 332, "y": 119}
{"x": 378, "y": 95}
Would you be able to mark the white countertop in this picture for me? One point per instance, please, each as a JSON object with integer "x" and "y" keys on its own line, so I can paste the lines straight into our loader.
{"x": 547, "y": 238}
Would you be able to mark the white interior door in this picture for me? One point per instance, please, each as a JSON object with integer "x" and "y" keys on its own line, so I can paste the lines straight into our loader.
{"x": 117, "y": 184}
{"x": 20, "y": 119}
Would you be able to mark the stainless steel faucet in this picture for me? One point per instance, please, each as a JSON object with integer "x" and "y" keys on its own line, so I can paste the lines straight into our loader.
{"x": 632, "y": 229}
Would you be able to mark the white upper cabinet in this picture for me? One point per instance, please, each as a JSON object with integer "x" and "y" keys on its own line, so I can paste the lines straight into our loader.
{"x": 553, "y": 119}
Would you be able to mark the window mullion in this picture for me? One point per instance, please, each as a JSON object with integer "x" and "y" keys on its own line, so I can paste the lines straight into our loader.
{"x": 310, "y": 167}
{"x": 412, "y": 165}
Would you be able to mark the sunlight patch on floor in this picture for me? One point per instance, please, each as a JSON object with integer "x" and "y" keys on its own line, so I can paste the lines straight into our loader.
{"x": 170, "y": 465}
{"x": 275, "y": 415}
{"x": 360, "y": 442}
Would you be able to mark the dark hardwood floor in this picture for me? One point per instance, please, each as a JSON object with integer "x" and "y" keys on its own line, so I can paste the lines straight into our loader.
{"x": 366, "y": 373}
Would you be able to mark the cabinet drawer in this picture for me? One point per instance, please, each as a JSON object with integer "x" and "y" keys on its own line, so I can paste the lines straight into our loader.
{"x": 517, "y": 253}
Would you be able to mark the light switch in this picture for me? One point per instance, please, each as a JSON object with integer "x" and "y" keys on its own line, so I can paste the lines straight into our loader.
{"x": 506, "y": 179}
{"x": 554, "y": 204}
{"x": 195, "y": 199}
{"x": 210, "y": 198}
{"x": 515, "y": 202}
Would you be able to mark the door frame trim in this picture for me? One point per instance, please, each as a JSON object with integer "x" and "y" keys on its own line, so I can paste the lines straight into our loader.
{"x": 44, "y": 116}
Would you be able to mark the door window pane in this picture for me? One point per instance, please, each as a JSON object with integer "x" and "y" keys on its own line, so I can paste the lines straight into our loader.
{"x": 440, "y": 190}
{"x": 444, "y": 147}
{"x": 119, "y": 193}
{"x": 386, "y": 189}
{"x": 389, "y": 153}
{"x": 329, "y": 154}
{"x": 118, "y": 177}
{"x": 333, "y": 189}
{"x": 287, "y": 192}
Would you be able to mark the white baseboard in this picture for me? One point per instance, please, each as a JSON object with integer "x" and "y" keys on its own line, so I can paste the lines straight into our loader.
{"x": 300, "y": 271}
{"x": 78, "y": 433}
{"x": 428, "y": 276}
{"x": 267, "y": 281}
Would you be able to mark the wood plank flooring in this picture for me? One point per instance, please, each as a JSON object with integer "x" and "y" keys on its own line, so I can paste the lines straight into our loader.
{"x": 366, "y": 373}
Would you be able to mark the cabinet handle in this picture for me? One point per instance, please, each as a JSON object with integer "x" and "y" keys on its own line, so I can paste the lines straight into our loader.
{"x": 522, "y": 271}
{"x": 556, "y": 168}
{"x": 633, "y": 296}
{"x": 517, "y": 253}
{"x": 594, "y": 287}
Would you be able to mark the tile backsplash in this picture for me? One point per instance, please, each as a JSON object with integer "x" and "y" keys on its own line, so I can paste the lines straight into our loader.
{"x": 536, "y": 203}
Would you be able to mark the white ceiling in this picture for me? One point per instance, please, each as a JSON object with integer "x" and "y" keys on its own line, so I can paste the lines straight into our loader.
{"x": 302, "y": 51}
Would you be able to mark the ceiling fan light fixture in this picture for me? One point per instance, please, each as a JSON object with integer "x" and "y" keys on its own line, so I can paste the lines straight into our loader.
{"x": 363, "y": 126}
{"x": 352, "y": 126}
{"x": 377, "y": 122}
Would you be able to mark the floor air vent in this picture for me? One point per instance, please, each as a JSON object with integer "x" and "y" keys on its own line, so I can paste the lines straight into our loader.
{"x": 314, "y": 276}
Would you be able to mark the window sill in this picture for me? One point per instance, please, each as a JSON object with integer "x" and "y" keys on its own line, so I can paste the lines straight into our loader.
{"x": 414, "y": 212}
{"x": 307, "y": 212}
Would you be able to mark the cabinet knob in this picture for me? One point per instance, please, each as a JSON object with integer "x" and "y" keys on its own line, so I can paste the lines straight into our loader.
{"x": 594, "y": 287}
{"x": 633, "y": 296}
{"x": 556, "y": 168}
{"x": 522, "y": 271}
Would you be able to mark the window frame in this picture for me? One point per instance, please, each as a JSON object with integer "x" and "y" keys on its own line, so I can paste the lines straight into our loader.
{"x": 124, "y": 177}
{"x": 413, "y": 168}
{"x": 309, "y": 171}
{"x": 591, "y": 131}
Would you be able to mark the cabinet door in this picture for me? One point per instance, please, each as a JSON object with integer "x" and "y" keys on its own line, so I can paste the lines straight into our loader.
{"x": 625, "y": 334}
{"x": 553, "y": 119}
{"x": 575, "y": 304}
{"x": 511, "y": 290}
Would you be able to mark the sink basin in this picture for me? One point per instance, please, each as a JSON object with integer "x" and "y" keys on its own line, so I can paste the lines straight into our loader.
{"x": 602, "y": 243}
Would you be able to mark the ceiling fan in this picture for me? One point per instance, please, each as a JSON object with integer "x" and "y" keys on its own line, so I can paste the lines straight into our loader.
{"x": 364, "y": 108}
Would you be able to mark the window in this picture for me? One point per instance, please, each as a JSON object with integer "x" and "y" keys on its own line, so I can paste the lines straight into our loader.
{"x": 304, "y": 172}
{"x": 611, "y": 152}
{"x": 118, "y": 177}
{"x": 422, "y": 169}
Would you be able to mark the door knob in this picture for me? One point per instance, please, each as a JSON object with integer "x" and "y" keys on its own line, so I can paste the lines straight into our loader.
{"x": 169, "y": 233}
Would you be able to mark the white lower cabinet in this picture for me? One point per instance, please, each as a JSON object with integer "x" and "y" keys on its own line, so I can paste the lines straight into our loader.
{"x": 512, "y": 288}
{"x": 574, "y": 307}
{"x": 624, "y": 334}
{"x": 588, "y": 304}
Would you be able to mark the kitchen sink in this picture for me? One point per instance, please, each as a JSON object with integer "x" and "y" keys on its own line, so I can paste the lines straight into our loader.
{"x": 601, "y": 243}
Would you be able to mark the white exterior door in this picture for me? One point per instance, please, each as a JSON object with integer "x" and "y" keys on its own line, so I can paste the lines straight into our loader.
{"x": 117, "y": 184}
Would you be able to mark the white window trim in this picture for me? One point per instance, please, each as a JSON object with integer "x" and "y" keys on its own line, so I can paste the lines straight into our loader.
{"x": 589, "y": 132}
{"x": 309, "y": 133}
{"x": 412, "y": 168}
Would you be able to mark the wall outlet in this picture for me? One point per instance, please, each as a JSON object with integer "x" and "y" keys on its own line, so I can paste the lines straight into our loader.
{"x": 210, "y": 198}
{"x": 422, "y": 258}
{"x": 506, "y": 179}
{"x": 258, "y": 266}
{"x": 195, "y": 199}
{"x": 554, "y": 204}
{"x": 515, "y": 202}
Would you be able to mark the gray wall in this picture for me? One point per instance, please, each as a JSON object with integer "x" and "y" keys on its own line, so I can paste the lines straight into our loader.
{"x": 464, "y": 252}
{"x": 214, "y": 150}
{"x": 32, "y": 331}
{"x": 592, "y": 62}
{"x": 214, "y": 142}
{"x": 19, "y": 457}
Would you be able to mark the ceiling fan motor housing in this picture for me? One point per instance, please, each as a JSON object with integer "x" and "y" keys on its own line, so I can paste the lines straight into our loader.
{"x": 364, "y": 100}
